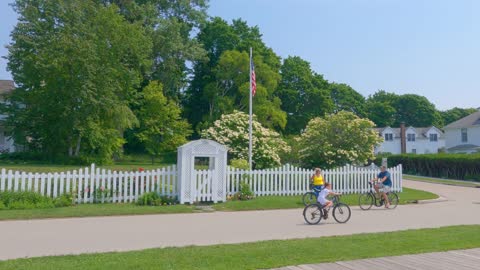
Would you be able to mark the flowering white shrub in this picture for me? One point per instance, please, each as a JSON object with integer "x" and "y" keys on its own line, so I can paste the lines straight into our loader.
{"x": 338, "y": 139}
{"x": 232, "y": 131}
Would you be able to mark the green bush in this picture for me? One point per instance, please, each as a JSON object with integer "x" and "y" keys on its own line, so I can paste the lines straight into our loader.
{"x": 153, "y": 199}
{"x": 240, "y": 164}
{"x": 245, "y": 192}
{"x": 2, "y": 206}
{"x": 149, "y": 198}
{"x": 64, "y": 200}
{"x": 453, "y": 166}
{"x": 25, "y": 200}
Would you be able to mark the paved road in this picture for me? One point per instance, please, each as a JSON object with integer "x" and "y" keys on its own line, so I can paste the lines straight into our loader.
{"x": 458, "y": 259}
{"x": 32, "y": 238}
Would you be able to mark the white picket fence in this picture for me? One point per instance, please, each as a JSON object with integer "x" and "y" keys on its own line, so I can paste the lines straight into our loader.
{"x": 290, "y": 180}
{"x": 92, "y": 184}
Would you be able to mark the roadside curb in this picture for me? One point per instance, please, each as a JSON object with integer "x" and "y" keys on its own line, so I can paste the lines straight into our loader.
{"x": 437, "y": 200}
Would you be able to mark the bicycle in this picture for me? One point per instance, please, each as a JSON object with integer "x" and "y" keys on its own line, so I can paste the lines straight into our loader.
{"x": 310, "y": 197}
{"x": 314, "y": 213}
{"x": 367, "y": 200}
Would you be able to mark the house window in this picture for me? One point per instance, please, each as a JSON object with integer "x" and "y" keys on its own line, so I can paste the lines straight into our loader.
{"x": 464, "y": 135}
{"x": 411, "y": 137}
{"x": 414, "y": 151}
{"x": 388, "y": 137}
{"x": 433, "y": 137}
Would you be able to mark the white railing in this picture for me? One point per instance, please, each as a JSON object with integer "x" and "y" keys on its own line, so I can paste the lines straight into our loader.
{"x": 92, "y": 184}
{"x": 290, "y": 180}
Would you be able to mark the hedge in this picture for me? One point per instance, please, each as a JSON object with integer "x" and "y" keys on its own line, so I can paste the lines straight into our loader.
{"x": 453, "y": 166}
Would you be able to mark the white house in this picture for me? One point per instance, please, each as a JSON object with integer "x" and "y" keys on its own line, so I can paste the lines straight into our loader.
{"x": 463, "y": 136}
{"x": 6, "y": 142}
{"x": 425, "y": 140}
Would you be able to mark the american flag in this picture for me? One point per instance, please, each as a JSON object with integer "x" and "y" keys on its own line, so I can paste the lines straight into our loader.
{"x": 254, "y": 81}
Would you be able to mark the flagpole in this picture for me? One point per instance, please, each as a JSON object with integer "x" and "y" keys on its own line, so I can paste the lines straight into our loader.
{"x": 250, "y": 113}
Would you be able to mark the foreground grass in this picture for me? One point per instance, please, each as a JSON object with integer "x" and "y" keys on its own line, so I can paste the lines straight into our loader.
{"x": 462, "y": 183}
{"x": 268, "y": 254}
{"x": 259, "y": 203}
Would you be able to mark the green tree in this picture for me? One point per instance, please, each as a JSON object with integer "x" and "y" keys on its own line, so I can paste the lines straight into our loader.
{"x": 416, "y": 111}
{"x": 304, "y": 94}
{"x": 452, "y": 115}
{"x": 379, "y": 108}
{"x": 337, "y": 140}
{"x": 161, "y": 127}
{"x": 227, "y": 47}
{"x": 232, "y": 131}
{"x": 345, "y": 98}
{"x": 76, "y": 64}
{"x": 171, "y": 26}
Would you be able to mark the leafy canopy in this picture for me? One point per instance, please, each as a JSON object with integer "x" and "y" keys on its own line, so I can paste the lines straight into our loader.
{"x": 337, "y": 140}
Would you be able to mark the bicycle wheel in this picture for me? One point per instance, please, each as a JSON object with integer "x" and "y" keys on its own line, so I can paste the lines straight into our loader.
{"x": 309, "y": 198}
{"x": 393, "y": 198}
{"x": 365, "y": 201}
{"x": 341, "y": 213}
{"x": 312, "y": 214}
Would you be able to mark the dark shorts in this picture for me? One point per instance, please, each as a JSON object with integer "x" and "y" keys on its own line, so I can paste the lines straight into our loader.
{"x": 317, "y": 189}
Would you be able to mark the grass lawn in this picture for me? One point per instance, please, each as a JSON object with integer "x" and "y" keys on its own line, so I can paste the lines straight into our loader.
{"x": 127, "y": 163}
{"x": 259, "y": 203}
{"x": 284, "y": 202}
{"x": 452, "y": 182}
{"x": 267, "y": 254}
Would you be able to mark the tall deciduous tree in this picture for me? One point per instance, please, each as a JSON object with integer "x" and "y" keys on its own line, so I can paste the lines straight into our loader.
{"x": 379, "y": 108}
{"x": 225, "y": 74}
{"x": 416, "y": 111}
{"x": 337, "y": 140}
{"x": 452, "y": 115}
{"x": 171, "y": 25}
{"x": 304, "y": 94}
{"x": 345, "y": 98}
{"x": 161, "y": 127}
{"x": 76, "y": 64}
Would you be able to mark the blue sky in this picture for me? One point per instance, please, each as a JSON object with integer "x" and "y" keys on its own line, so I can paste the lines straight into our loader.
{"x": 426, "y": 47}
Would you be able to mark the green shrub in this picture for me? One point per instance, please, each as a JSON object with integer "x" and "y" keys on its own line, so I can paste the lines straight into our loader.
{"x": 25, "y": 200}
{"x": 149, "y": 198}
{"x": 245, "y": 192}
{"x": 169, "y": 200}
{"x": 453, "y": 166}
{"x": 240, "y": 164}
{"x": 64, "y": 200}
{"x": 2, "y": 206}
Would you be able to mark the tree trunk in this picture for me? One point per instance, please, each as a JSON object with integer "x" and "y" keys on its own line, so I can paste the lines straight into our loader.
{"x": 77, "y": 149}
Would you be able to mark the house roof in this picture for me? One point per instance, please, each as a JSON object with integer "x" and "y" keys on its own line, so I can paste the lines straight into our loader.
{"x": 463, "y": 147}
{"x": 420, "y": 131}
{"x": 6, "y": 86}
{"x": 472, "y": 120}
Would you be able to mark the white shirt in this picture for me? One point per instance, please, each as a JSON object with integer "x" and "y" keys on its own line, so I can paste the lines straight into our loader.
{"x": 323, "y": 195}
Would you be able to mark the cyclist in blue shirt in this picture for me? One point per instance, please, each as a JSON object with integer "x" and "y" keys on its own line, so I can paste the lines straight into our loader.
{"x": 384, "y": 184}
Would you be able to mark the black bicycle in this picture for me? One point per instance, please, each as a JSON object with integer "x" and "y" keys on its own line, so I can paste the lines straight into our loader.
{"x": 315, "y": 212}
{"x": 367, "y": 200}
{"x": 310, "y": 197}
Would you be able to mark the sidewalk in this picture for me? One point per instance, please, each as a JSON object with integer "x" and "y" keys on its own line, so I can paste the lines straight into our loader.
{"x": 458, "y": 259}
